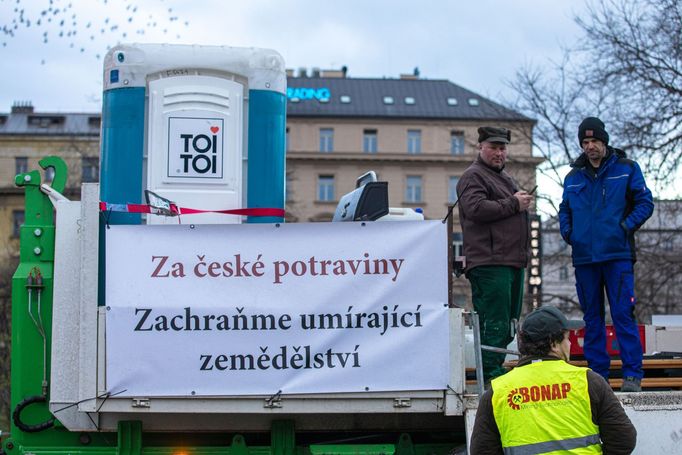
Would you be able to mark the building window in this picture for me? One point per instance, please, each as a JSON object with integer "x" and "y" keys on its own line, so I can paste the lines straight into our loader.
{"x": 452, "y": 101}
{"x": 95, "y": 121}
{"x": 563, "y": 273}
{"x": 457, "y": 143}
{"x": 409, "y": 100}
{"x": 413, "y": 188}
{"x": 452, "y": 189}
{"x": 457, "y": 244}
{"x": 20, "y": 165}
{"x": 325, "y": 188}
{"x": 17, "y": 221}
{"x": 388, "y": 100}
{"x": 326, "y": 140}
{"x": 369, "y": 141}
{"x": 414, "y": 141}
{"x": 90, "y": 169}
{"x": 345, "y": 99}
{"x": 44, "y": 121}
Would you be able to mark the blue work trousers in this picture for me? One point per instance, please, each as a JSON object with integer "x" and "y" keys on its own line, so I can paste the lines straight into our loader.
{"x": 617, "y": 278}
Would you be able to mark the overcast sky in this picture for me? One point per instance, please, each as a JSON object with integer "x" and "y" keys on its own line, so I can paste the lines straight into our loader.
{"x": 54, "y": 58}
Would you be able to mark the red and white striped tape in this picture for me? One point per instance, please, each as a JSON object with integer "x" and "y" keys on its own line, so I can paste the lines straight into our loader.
{"x": 175, "y": 210}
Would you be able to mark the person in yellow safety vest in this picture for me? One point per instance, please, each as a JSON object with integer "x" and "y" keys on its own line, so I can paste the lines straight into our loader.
{"x": 545, "y": 405}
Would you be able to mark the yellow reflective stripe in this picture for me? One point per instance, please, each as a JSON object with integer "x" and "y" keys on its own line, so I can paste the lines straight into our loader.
{"x": 552, "y": 446}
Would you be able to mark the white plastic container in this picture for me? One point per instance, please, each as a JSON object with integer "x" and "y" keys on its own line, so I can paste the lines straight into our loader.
{"x": 402, "y": 214}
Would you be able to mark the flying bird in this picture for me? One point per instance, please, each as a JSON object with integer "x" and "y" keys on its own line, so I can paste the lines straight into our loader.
{"x": 60, "y": 19}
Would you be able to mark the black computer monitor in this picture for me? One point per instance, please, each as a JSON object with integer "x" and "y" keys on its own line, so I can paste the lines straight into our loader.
{"x": 366, "y": 203}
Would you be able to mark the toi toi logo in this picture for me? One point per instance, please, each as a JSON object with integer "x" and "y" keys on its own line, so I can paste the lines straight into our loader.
{"x": 200, "y": 152}
{"x": 195, "y": 147}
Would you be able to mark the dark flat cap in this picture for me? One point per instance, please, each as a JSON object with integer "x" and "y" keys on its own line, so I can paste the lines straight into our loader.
{"x": 494, "y": 134}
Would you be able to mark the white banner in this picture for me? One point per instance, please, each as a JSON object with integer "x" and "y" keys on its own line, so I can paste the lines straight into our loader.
{"x": 256, "y": 309}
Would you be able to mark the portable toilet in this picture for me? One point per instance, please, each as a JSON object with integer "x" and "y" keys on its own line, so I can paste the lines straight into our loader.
{"x": 201, "y": 126}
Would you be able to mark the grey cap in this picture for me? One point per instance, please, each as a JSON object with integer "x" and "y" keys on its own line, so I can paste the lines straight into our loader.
{"x": 494, "y": 134}
{"x": 547, "y": 320}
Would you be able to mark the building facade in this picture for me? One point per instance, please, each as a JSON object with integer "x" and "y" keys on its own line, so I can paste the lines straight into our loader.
{"x": 419, "y": 135}
{"x": 27, "y": 136}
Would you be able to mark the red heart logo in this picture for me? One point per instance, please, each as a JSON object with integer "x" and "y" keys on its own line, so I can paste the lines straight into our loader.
{"x": 214, "y": 129}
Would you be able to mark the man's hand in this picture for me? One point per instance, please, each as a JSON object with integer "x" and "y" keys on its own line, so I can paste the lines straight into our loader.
{"x": 524, "y": 199}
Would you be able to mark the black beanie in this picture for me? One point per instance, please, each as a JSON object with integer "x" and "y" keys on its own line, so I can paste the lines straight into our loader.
{"x": 592, "y": 127}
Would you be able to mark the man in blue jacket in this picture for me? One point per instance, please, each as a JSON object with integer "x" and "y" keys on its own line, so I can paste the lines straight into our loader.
{"x": 605, "y": 201}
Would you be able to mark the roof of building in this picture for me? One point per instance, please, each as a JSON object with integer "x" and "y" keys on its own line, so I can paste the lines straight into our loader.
{"x": 411, "y": 98}
{"x": 394, "y": 98}
{"x": 24, "y": 121}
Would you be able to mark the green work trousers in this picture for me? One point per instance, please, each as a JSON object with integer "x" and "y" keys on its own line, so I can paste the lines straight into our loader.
{"x": 497, "y": 294}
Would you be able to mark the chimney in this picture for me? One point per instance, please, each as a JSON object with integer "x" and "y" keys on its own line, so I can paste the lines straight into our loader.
{"x": 338, "y": 74}
{"x": 22, "y": 107}
{"x": 411, "y": 77}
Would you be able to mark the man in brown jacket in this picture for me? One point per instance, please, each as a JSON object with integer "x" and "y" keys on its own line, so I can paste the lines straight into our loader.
{"x": 494, "y": 218}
